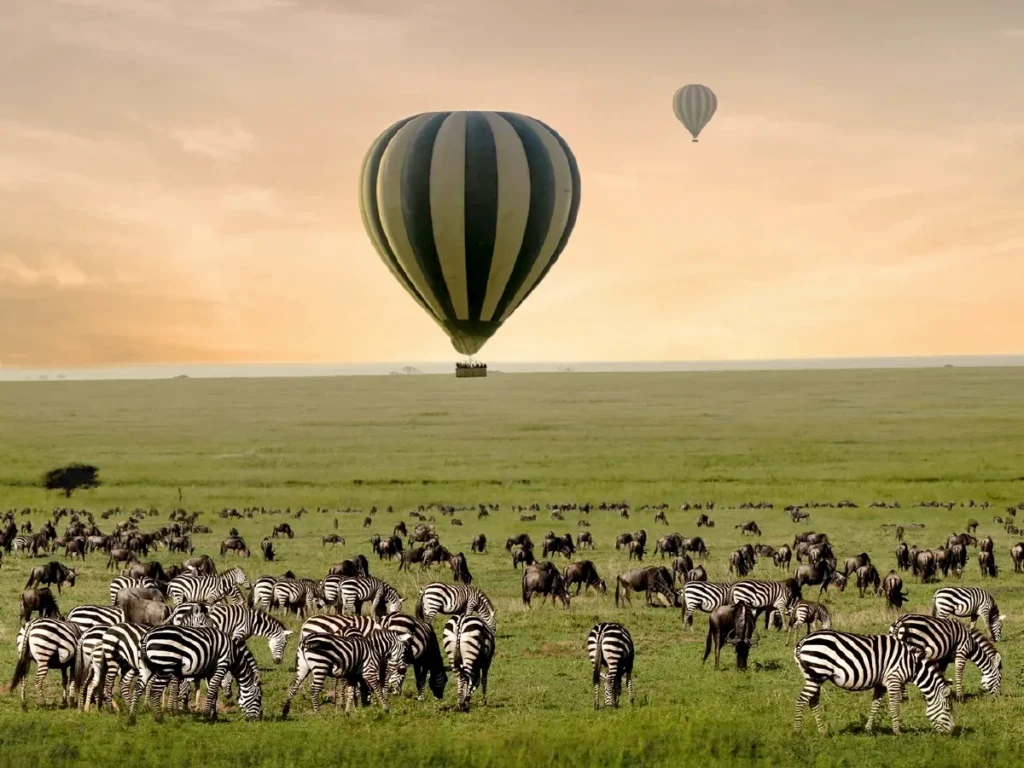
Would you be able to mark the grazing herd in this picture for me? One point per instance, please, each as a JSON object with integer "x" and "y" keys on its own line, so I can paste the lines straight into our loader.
{"x": 169, "y": 629}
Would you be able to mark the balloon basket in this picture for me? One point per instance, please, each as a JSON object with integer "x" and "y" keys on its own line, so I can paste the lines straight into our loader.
{"x": 470, "y": 370}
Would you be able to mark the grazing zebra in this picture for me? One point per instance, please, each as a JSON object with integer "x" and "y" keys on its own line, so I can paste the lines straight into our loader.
{"x": 262, "y": 594}
{"x": 169, "y": 654}
{"x": 128, "y": 582}
{"x": 703, "y": 596}
{"x": 861, "y": 662}
{"x": 807, "y": 614}
{"x": 119, "y": 653}
{"x": 610, "y": 645}
{"x": 438, "y": 597}
{"x": 339, "y": 625}
{"x": 89, "y": 643}
{"x": 469, "y": 645}
{"x": 51, "y": 644}
{"x": 189, "y": 587}
{"x": 424, "y": 653}
{"x": 241, "y": 623}
{"x": 969, "y": 603}
{"x": 299, "y": 596}
{"x": 88, "y": 616}
{"x": 942, "y": 641}
{"x": 772, "y": 597}
{"x": 374, "y": 660}
{"x": 383, "y": 598}
{"x": 330, "y": 588}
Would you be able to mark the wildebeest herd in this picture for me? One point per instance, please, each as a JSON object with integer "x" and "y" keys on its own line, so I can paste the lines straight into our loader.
{"x": 169, "y": 628}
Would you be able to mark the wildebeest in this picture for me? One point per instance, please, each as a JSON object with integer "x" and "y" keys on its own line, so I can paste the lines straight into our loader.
{"x": 544, "y": 579}
{"x": 924, "y": 566}
{"x": 1017, "y": 555}
{"x": 354, "y": 566}
{"x": 697, "y": 574}
{"x": 696, "y": 544}
{"x": 268, "y": 549}
{"x": 903, "y": 557}
{"x": 523, "y": 540}
{"x": 203, "y": 565}
{"x": 560, "y": 544}
{"x": 51, "y": 573}
{"x": 460, "y": 569}
{"x": 479, "y": 544}
{"x": 987, "y": 564}
{"x": 141, "y": 611}
{"x": 739, "y": 564}
{"x": 180, "y": 544}
{"x": 234, "y": 544}
{"x": 623, "y": 540}
{"x": 821, "y": 573}
{"x": 77, "y": 546}
{"x": 972, "y": 526}
{"x": 119, "y": 556}
{"x": 650, "y": 580}
{"x": 583, "y": 574}
{"x": 400, "y": 529}
{"x": 749, "y": 527}
{"x": 783, "y": 557}
{"x": 855, "y": 562}
{"x": 867, "y": 578}
{"x": 732, "y": 624}
{"x": 682, "y": 564}
{"x": 670, "y": 544}
{"x": 636, "y": 549}
{"x": 585, "y": 540}
{"x": 284, "y": 529}
{"x": 892, "y": 588}
{"x": 522, "y": 555}
{"x": 660, "y": 518}
{"x": 39, "y": 601}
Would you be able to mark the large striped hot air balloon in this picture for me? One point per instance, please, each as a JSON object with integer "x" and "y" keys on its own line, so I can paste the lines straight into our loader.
{"x": 694, "y": 105}
{"x": 469, "y": 211}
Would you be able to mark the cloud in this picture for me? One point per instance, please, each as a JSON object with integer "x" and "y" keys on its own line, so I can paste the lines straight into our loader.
{"x": 221, "y": 143}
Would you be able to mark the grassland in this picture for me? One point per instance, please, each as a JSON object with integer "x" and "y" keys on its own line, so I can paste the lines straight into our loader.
{"x": 729, "y": 437}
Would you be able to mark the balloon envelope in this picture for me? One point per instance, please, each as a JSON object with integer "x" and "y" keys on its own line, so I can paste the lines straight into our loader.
{"x": 694, "y": 105}
{"x": 469, "y": 211}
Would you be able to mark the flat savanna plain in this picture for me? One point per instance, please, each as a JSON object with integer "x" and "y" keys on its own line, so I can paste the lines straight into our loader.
{"x": 784, "y": 437}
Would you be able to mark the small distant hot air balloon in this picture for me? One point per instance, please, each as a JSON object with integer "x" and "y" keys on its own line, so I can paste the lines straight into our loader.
{"x": 694, "y": 105}
{"x": 469, "y": 211}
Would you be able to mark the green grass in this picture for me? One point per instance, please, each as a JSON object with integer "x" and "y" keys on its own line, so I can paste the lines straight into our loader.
{"x": 785, "y": 437}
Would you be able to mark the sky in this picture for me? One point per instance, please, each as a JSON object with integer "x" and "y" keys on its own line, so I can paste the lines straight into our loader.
{"x": 178, "y": 178}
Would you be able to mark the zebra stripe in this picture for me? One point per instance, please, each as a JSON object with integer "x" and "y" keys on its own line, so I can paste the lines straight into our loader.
{"x": 127, "y": 582}
{"x": 469, "y": 211}
{"x": 51, "y": 644}
{"x": 352, "y": 593}
{"x": 438, "y": 597}
{"x": 424, "y": 653}
{"x": 769, "y": 597}
{"x": 262, "y": 594}
{"x": 703, "y": 596}
{"x": 89, "y": 643}
{"x": 805, "y": 613}
{"x": 862, "y": 662}
{"x": 694, "y": 106}
{"x": 610, "y": 645}
{"x": 302, "y": 594}
{"x": 469, "y": 645}
{"x": 88, "y": 616}
{"x": 119, "y": 653}
{"x": 339, "y": 625}
{"x": 353, "y": 658}
{"x": 189, "y": 587}
{"x": 942, "y": 641}
{"x": 241, "y": 623}
{"x": 170, "y": 653}
{"x": 969, "y": 603}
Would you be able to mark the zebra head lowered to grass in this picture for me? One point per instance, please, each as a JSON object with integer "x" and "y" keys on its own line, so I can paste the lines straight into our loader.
{"x": 455, "y": 599}
{"x": 609, "y": 645}
{"x": 969, "y": 603}
{"x": 879, "y": 663}
{"x": 469, "y": 645}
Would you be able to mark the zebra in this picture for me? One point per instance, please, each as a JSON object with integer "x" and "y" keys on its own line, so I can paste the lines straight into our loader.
{"x": 469, "y": 645}
{"x": 703, "y": 596}
{"x": 88, "y": 616}
{"x": 942, "y": 641}
{"x": 51, "y": 644}
{"x": 356, "y": 659}
{"x": 241, "y": 622}
{"x": 807, "y": 613}
{"x": 170, "y": 653}
{"x": 89, "y": 643}
{"x": 339, "y": 625}
{"x": 774, "y": 598}
{"x": 208, "y": 589}
{"x": 438, "y": 597}
{"x": 610, "y": 645}
{"x": 119, "y": 653}
{"x": 383, "y": 598}
{"x": 969, "y": 602}
{"x": 424, "y": 653}
{"x": 862, "y": 662}
{"x": 127, "y": 582}
{"x": 330, "y": 588}
{"x": 302, "y": 595}
{"x": 262, "y": 594}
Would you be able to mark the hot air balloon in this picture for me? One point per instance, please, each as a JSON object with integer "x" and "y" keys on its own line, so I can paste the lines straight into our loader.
{"x": 694, "y": 105}
{"x": 469, "y": 211}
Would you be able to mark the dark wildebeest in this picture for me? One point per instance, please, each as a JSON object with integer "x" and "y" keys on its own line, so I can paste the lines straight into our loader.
{"x": 623, "y": 539}
{"x": 268, "y": 549}
{"x": 460, "y": 569}
{"x": 903, "y": 557}
{"x": 390, "y": 548}
{"x": 867, "y": 578}
{"x": 892, "y": 588}
{"x": 120, "y": 556}
{"x": 703, "y": 520}
{"x": 180, "y": 544}
{"x": 203, "y": 565}
{"x": 456, "y": 521}
{"x": 636, "y": 550}
{"x": 527, "y": 518}
{"x": 682, "y": 565}
{"x": 367, "y": 522}
{"x": 732, "y": 624}
{"x": 696, "y": 544}
{"x": 987, "y": 564}
{"x": 986, "y": 544}
{"x": 660, "y": 518}
{"x": 141, "y": 611}
{"x": 40, "y": 601}
{"x": 284, "y": 529}
{"x": 822, "y": 574}
{"x": 75, "y": 547}
{"x": 522, "y": 555}
{"x": 1017, "y": 555}
{"x": 749, "y": 527}
{"x": 151, "y": 570}
{"x": 51, "y": 573}
{"x": 544, "y": 579}
{"x": 560, "y": 544}
{"x": 697, "y": 574}
{"x": 585, "y": 540}
{"x": 924, "y": 566}
{"x": 583, "y": 574}
{"x": 783, "y": 557}
{"x": 400, "y": 529}
{"x": 433, "y": 555}
{"x": 671, "y": 544}
{"x": 354, "y": 566}
{"x": 650, "y": 580}
{"x": 234, "y": 544}
{"x": 479, "y": 544}
{"x": 523, "y": 540}
{"x": 855, "y": 562}
{"x": 972, "y": 526}
{"x": 410, "y": 556}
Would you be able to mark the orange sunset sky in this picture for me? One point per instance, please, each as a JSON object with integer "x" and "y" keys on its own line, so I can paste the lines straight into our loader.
{"x": 178, "y": 178}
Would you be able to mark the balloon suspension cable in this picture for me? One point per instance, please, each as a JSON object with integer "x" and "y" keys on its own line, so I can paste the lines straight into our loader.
{"x": 694, "y": 141}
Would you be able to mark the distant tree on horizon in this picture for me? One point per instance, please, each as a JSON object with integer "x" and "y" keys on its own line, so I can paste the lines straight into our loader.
{"x": 71, "y": 478}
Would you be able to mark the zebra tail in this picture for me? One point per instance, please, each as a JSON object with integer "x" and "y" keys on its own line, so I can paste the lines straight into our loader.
{"x": 598, "y": 659}
{"x": 24, "y": 662}
{"x": 80, "y": 676}
{"x": 457, "y": 656}
{"x": 618, "y": 584}
{"x": 419, "y": 608}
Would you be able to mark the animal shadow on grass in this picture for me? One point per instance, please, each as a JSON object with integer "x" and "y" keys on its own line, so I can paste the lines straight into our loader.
{"x": 771, "y": 665}
{"x": 885, "y": 729}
